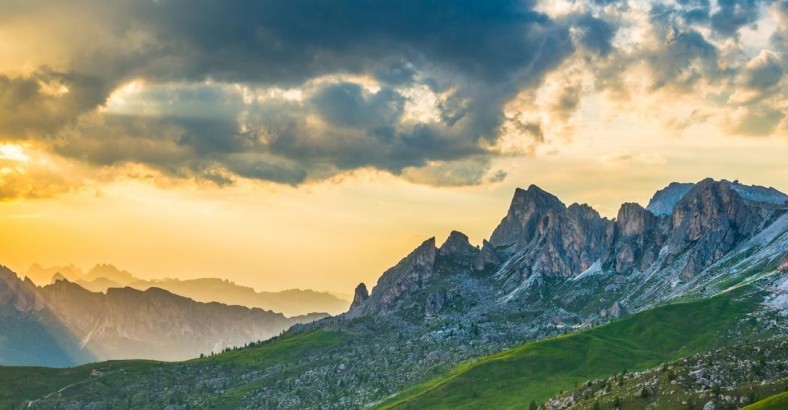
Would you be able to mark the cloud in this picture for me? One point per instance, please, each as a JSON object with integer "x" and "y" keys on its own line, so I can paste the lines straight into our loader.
{"x": 626, "y": 157}
{"x": 186, "y": 122}
{"x": 298, "y": 91}
{"x": 346, "y": 104}
{"x": 734, "y": 14}
{"x": 43, "y": 102}
{"x": 470, "y": 171}
{"x": 756, "y": 120}
{"x": 25, "y": 174}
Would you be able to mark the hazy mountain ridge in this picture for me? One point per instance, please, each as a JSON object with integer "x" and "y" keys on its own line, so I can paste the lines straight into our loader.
{"x": 290, "y": 302}
{"x": 30, "y": 333}
{"x": 127, "y": 323}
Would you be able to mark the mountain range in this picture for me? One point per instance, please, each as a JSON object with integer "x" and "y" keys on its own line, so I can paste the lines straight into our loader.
{"x": 100, "y": 278}
{"x": 63, "y": 324}
{"x": 556, "y": 296}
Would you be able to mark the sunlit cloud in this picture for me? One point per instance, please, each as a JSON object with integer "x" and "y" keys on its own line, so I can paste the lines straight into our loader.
{"x": 297, "y": 107}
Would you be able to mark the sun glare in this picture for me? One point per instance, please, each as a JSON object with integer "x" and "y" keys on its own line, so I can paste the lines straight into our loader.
{"x": 13, "y": 153}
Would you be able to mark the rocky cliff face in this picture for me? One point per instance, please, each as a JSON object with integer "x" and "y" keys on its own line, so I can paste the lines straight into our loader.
{"x": 555, "y": 241}
{"x": 707, "y": 223}
{"x": 360, "y": 295}
{"x": 638, "y": 236}
{"x": 573, "y": 261}
{"x": 459, "y": 247}
{"x": 531, "y": 213}
{"x": 406, "y": 277}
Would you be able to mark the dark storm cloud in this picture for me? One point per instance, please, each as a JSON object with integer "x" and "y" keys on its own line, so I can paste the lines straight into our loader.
{"x": 735, "y": 14}
{"x": 288, "y": 42}
{"x": 37, "y": 104}
{"x": 480, "y": 53}
{"x": 346, "y": 104}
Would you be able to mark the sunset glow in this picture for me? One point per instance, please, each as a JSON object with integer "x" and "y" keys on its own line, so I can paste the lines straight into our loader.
{"x": 143, "y": 141}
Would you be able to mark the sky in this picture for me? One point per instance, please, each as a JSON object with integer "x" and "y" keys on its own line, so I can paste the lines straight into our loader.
{"x": 312, "y": 144}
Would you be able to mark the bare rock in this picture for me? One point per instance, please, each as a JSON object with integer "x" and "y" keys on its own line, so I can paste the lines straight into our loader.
{"x": 360, "y": 295}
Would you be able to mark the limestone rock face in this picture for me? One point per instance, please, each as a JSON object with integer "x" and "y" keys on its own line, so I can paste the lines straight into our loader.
{"x": 361, "y": 294}
{"x": 708, "y": 222}
{"x": 408, "y": 276}
{"x": 542, "y": 246}
{"x": 548, "y": 238}
{"x": 638, "y": 236}
{"x": 487, "y": 258}
{"x": 457, "y": 245}
{"x": 530, "y": 213}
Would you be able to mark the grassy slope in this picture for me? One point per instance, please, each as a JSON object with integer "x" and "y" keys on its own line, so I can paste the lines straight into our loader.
{"x": 778, "y": 401}
{"x": 21, "y": 384}
{"x": 539, "y": 370}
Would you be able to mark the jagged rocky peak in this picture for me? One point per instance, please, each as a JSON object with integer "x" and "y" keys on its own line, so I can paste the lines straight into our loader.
{"x": 633, "y": 220}
{"x": 409, "y": 275}
{"x": 637, "y": 239}
{"x": 548, "y": 238}
{"x": 710, "y": 220}
{"x": 712, "y": 205}
{"x": 524, "y": 219}
{"x": 360, "y": 295}
{"x": 457, "y": 244}
{"x": 17, "y": 292}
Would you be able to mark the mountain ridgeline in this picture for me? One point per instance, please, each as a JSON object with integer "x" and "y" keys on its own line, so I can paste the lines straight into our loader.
{"x": 521, "y": 317}
{"x": 63, "y": 324}
{"x": 569, "y": 256}
{"x": 102, "y": 277}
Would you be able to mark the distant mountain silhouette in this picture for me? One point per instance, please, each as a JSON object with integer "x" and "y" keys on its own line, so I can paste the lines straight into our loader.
{"x": 63, "y": 324}
{"x": 102, "y": 277}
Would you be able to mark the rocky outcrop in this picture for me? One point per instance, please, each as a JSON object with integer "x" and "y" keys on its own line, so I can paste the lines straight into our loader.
{"x": 436, "y": 301}
{"x": 541, "y": 244}
{"x": 548, "y": 238}
{"x": 638, "y": 236}
{"x": 458, "y": 246}
{"x": 487, "y": 258}
{"x": 707, "y": 223}
{"x": 360, "y": 295}
{"x": 530, "y": 214}
{"x": 664, "y": 200}
{"x": 408, "y": 276}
